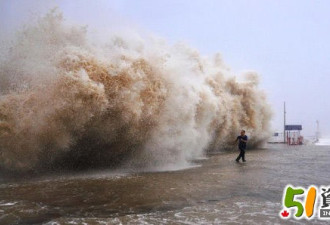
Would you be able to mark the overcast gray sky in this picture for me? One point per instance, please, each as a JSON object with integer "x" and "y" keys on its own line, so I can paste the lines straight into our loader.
{"x": 286, "y": 41}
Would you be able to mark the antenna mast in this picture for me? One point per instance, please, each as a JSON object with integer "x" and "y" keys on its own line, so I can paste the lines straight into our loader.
{"x": 284, "y": 124}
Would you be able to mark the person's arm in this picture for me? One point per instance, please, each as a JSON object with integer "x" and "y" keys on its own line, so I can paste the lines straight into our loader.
{"x": 244, "y": 140}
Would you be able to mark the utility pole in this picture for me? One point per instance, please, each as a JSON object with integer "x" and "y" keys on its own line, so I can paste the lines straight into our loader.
{"x": 284, "y": 139}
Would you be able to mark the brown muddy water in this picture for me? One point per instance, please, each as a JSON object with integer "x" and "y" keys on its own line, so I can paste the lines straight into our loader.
{"x": 215, "y": 191}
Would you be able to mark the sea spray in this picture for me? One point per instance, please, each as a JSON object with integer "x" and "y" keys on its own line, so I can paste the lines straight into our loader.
{"x": 133, "y": 100}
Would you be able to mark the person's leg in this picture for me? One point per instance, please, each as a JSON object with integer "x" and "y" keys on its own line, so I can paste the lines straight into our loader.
{"x": 237, "y": 159}
{"x": 239, "y": 156}
{"x": 243, "y": 155}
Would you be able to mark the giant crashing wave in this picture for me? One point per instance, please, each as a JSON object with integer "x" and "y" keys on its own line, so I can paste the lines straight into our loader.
{"x": 137, "y": 101}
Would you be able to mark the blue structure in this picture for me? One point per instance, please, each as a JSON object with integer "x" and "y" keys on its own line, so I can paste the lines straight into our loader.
{"x": 293, "y": 127}
{"x": 292, "y": 134}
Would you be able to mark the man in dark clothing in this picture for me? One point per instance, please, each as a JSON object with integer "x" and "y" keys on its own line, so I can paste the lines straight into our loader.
{"x": 241, "y": 145}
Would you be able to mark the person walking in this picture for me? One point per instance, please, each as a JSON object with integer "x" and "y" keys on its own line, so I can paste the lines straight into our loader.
{"x": 242, "y": 140}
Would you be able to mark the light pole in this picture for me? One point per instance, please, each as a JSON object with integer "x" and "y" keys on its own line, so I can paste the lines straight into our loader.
{"x": 284, "y": 139}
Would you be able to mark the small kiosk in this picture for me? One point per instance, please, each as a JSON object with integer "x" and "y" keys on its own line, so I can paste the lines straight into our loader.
{"x": 292, "y": 134}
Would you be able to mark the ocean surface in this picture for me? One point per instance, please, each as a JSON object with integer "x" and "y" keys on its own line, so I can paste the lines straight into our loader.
{"x": 217, "y": 190}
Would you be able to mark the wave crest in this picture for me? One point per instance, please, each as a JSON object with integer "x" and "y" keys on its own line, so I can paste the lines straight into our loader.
{"x": 68, "y": 103}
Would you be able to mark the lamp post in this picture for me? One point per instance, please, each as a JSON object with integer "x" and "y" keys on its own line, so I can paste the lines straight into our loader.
{"x": 284, "y": 139}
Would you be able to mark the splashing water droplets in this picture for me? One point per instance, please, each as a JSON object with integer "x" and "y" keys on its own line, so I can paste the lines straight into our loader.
{"x": 140, "y": 102}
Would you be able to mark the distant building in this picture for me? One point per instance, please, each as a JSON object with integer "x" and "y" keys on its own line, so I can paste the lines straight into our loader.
{"x": 292, "y": 134}
{"x": 276, "y": 138}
